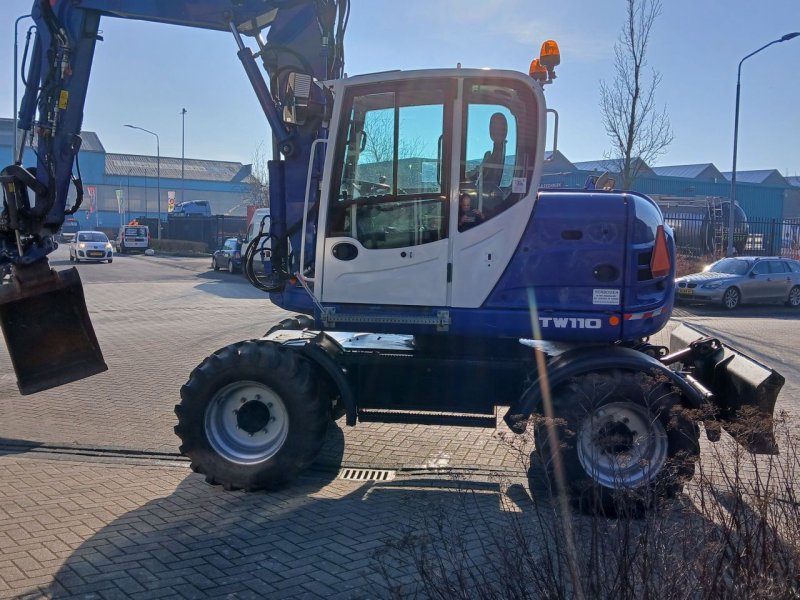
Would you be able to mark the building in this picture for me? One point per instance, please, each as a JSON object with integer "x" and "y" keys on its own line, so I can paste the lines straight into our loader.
{"x": 118, "y": 187}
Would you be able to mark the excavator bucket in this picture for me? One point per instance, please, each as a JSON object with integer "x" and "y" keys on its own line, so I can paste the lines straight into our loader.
{"x": 47, "y": 328}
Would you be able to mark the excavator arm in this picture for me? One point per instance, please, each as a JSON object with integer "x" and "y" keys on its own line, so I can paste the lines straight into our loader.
{"x": 299, "y": 43}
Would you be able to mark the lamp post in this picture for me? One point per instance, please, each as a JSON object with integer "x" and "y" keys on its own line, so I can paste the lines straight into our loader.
{"x": 158, "y": 171}
{"x": 14, "y": 111}
{"x": 732, "y": 213}
{"x": 183, "y": 148}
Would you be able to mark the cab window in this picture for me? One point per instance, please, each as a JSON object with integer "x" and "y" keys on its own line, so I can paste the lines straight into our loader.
{"x": 393, "y": 187}
{"x": 498, "y": 152}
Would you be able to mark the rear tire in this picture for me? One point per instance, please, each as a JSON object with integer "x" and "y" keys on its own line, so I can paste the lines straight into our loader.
{"x": 252, "y": 416}
{"x": 731, "y": 298}
{"x": 623, "y": 441}
{"x": 794, "y": 297}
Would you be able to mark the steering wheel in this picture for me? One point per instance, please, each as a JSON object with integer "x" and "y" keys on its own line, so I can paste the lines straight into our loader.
{"x": 368, "y": 188}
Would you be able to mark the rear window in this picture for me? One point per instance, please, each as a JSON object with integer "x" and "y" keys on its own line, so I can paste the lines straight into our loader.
{"x": 137, "y": 231}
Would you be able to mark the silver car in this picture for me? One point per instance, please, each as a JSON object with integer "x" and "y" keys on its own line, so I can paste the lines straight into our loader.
{"x": 734, "y": 281}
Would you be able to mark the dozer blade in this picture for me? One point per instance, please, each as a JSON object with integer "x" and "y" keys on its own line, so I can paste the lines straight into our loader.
{"x": 47, "y": 328}
{"x": 745, "y": 391}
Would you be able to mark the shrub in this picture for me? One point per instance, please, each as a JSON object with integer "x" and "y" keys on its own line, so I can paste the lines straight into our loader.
{"x": 183, "y": 247}
{"x": 735, "y": 533}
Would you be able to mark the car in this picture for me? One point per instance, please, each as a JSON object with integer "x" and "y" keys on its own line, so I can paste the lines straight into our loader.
{"x": 228, "y": 256}
{"x": 199, "y": 208}
{"x": 91, "y": 245}
{"x": 746, "y": 279}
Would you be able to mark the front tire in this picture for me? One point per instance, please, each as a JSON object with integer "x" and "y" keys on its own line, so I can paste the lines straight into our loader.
{"x": 622, "y": 440}
{"x": 794, "y": 297}
{"x": 731, "y": 298}
{"x": 252, "y": 416}
{"x": 231, "y": 268}
{"x": 214, "y": 264}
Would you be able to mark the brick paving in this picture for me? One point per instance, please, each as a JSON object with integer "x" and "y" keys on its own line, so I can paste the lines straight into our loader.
{"x": 83, "y": 515}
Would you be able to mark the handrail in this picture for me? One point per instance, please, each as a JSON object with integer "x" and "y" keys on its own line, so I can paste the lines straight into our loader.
{"x": 312, "y": 156}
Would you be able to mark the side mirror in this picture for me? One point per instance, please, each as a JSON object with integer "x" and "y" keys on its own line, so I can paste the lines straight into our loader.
{"x": 752, "y": 273}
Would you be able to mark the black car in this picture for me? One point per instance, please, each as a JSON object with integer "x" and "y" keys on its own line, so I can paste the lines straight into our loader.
{"x": 229, "y": 256}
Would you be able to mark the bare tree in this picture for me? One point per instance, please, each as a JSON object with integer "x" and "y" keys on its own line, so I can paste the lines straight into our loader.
{"x": 379, "y": 145}
{"x": 639, "y": 132}
{"x": 258, "y": 182}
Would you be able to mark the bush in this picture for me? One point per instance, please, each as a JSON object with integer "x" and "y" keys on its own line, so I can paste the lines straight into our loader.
{"x": 735, "y": 533}
{"x": 181, "y": 247}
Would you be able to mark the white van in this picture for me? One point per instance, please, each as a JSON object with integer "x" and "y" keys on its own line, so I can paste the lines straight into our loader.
{"x": 133, "y": 238}
{"x": 263, "y": 254}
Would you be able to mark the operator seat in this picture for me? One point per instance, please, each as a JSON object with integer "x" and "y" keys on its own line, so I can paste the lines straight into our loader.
{"x": 494, "y": 162}
{"x": 493, "y": 165}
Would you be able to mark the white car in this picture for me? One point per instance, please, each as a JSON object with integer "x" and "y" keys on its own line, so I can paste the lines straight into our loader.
{"x": 91, "y": 245}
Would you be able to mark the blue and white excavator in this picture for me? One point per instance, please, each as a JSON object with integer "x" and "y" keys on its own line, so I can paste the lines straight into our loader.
{"x": 404, "y": 206}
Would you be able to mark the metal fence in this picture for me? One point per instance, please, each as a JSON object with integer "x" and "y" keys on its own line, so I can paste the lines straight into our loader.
{"x": 698, "y": 236}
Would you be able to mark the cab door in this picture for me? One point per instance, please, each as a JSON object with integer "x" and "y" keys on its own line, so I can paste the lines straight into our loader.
{"x": 386, "y": 236}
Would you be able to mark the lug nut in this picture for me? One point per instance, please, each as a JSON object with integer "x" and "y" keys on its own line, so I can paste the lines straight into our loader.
{"x": 269, "y": 404}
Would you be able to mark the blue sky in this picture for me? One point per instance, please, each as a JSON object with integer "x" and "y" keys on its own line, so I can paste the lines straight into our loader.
{"x": 145, "y": 73}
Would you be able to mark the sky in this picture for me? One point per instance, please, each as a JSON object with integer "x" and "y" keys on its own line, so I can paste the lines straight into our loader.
{"x": 145, "y": 73}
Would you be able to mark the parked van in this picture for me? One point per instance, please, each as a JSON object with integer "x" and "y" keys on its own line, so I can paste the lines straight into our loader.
{"x": 263, "y": 253}
{"x": 133, "y": 238}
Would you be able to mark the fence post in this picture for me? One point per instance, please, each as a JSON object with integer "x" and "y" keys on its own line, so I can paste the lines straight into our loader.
{"x": 772, "y": 237}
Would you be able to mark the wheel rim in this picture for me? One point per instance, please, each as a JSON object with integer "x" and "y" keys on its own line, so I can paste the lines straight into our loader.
{"x": 621, "y": 446}
{"x": 731, "y": 298}
{"x": 246, "y": 422}
{"x": 794, "y": 296}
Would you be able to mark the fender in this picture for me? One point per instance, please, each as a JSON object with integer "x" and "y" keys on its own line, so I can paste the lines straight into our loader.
{"x": 323, "y": 352}
{"x": 590, "y": 359}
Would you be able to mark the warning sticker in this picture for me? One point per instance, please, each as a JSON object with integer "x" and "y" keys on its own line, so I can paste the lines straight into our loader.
{"x": 519, "y": 185}
{"x": 605, "y": 296}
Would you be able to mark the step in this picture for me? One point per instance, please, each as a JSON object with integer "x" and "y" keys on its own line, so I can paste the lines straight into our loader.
{"x": 427, "y": 418}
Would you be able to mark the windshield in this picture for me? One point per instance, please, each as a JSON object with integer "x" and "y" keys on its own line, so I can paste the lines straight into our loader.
{"x": 92, "y": 236}
{"x": 730, "y": 266}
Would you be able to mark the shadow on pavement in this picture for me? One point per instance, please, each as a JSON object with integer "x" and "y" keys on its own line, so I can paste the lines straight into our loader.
{"x": 761, "y": 311}
{"x": 16, "y": 446}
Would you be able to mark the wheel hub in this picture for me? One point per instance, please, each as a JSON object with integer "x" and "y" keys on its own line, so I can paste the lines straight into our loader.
{"x": 621, "y": 445}
{"x": 253, "y": 416}
{"x": 246, "y": 422}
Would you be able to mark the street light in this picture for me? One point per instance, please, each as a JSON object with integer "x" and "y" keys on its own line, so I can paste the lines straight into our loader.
{"x": 731, "y": 215}
{"x": 158, "y": 171}
{"x": 183, "y": 147}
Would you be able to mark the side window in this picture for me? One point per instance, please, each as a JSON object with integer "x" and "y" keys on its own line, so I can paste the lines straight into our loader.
{"x": 761, "y": 268}
{"x": 793, "y": 267}
{"x": 498, "y": 152}
{"x": 392, "y": 192}
{"x": 777, "y": 266}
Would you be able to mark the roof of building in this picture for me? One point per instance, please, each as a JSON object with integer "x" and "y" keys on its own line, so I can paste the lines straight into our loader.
{"x": 89, "y": 140}
{"x": 611, "y": 166}
{"x": 170, "y": 168}
{"x": 794, "y": 180}
{"x": 707, "y": 171}
{"x": 763, "y": 176}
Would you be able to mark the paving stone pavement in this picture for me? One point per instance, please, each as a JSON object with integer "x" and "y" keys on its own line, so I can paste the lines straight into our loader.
{"x": 96, "y": 503}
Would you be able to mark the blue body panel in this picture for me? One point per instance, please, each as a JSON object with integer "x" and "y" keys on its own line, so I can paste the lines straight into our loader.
{"x": 581, "y": 270}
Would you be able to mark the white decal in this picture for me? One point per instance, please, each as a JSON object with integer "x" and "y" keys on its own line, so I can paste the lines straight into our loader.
{"x": 570, "y": 323}
{"x": 519, "y": 185}
{"x": 605, "y": 296}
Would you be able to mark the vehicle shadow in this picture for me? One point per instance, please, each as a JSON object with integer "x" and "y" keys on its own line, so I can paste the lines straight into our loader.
{"x": 323, "y": 537}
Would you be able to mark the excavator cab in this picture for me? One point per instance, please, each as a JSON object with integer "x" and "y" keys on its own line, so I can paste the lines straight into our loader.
{"x": 407, "y": 152}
